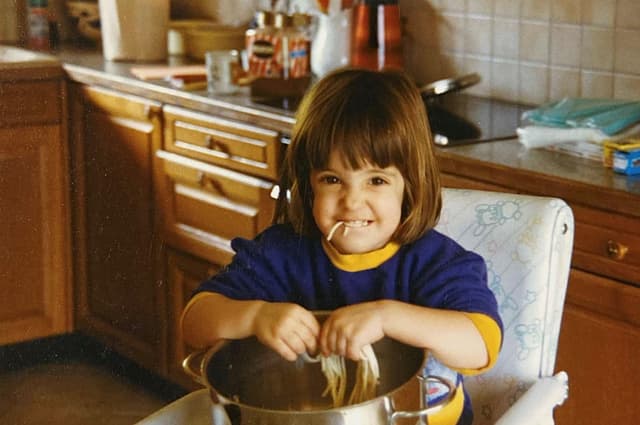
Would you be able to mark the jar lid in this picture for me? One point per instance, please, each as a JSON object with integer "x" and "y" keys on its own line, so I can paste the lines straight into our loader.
{"x": 282, "y": 20}
{"x": 301, "y": 19}
{"x": 264, "y": 18}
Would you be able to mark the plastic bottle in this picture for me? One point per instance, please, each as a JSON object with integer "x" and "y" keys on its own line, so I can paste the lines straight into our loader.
{"x": 38, "y": 25}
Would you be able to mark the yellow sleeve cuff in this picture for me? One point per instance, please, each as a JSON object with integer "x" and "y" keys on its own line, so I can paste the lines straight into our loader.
{"x": 492, "y": 337}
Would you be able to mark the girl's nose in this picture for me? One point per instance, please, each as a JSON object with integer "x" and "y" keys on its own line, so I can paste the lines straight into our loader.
{"x": 352, "y": 198}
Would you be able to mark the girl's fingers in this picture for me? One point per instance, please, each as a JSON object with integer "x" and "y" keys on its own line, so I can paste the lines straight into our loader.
{"x": 282, "y": 348}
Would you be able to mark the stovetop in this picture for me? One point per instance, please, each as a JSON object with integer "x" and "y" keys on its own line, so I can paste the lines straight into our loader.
{"x": 456, "y": 118}
{"x": 460, "y": 119}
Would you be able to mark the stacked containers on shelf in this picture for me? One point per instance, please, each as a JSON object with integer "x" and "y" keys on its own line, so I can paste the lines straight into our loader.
{"x": 261, "y": 43}
{"x": 294, "y": 47}
{"x": 278, "y": 50}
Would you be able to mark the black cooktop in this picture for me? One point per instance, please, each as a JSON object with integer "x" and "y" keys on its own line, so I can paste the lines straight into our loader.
{"x": 456, "y": 118}
{"x": 460, "y": 119}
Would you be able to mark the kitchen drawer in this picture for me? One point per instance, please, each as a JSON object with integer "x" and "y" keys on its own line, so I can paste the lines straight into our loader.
{"x": 607, "y": 244}
{"x": 205, "y": 206}
{"x": 242, "y": 147}
{"x": 30, "y": 102}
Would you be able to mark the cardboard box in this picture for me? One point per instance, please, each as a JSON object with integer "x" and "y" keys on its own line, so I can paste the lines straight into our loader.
{"x": 610, "y": 147}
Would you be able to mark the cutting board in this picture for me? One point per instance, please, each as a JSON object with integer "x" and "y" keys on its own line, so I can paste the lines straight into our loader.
{"x": 167, "y": 72}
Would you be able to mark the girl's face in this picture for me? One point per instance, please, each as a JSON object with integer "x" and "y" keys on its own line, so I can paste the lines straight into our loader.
{"x": 368, "y": 201}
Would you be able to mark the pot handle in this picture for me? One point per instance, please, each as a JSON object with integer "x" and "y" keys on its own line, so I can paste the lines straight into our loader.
{"x": 187, "y": 367}
{"x": 402, "y": 414}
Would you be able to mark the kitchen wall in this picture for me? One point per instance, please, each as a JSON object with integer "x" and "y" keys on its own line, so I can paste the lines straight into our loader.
{"x": 528, "y": 50}
{"x": 9, "y": 17}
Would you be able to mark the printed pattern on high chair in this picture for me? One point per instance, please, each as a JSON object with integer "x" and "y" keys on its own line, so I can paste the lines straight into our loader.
{"x": 526, "y": 242}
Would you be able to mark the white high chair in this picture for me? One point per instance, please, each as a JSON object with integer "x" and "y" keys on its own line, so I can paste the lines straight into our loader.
{"x": 527, "y": 243}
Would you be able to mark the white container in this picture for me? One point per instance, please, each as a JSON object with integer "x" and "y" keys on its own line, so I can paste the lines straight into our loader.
{"x": 331, "y": 44}
{"x": 134, "y": 30}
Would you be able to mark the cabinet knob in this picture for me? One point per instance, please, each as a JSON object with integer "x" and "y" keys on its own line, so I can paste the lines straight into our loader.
{"x": 616, "y": 250}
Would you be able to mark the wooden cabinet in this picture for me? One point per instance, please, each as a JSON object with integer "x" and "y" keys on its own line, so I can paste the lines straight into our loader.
{"x": 35, "y": 271}
{"x": 184, "y": 273}
{"x": 120, "y": 293}
{"x": 213, "y": 178}
{"x": 600, "y": 334}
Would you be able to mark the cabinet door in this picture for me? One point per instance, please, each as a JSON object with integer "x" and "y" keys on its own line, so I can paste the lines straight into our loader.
{"x": 120, "y": 294}
{"x": 598, "y": 347}
{"x": 184, "y": 274}
{"x": 35, "y": 289}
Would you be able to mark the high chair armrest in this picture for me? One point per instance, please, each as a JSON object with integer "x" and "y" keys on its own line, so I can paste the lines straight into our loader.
{"x": 536, "y": 406}
{"x": 194, "y": 408}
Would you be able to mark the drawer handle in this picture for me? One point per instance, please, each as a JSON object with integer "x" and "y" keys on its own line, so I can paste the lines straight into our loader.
{"x": 212, "y": 143}
{"x": 616, "y": 250}
{"x": 206, "y": 181}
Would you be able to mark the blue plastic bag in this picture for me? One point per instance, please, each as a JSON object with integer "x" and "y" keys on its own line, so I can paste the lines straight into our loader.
{"x": 608, "y": 115}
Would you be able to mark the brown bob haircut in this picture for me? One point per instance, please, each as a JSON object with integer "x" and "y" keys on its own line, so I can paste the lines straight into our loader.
{"x": 368, "y": 117}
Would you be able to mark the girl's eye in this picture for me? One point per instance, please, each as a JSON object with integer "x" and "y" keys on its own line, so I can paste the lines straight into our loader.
{"x": 330, "y": 179}
{"x": 377, "y": 181}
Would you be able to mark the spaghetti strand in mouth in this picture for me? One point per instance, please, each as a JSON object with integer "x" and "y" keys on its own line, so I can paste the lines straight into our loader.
{"x": 335, "y": 227}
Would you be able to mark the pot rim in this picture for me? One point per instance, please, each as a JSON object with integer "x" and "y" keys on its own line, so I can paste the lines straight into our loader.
{"x": 203, "y": 379}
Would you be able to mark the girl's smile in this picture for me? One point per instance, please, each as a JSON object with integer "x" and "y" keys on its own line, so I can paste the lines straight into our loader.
{"x": 357, "y": 210}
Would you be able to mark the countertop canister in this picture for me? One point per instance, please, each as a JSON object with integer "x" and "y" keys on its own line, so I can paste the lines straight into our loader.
{"x": 134, "y": 30}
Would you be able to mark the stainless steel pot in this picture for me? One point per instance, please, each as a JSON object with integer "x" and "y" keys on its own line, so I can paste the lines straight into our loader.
{"x": 250, "y": 384}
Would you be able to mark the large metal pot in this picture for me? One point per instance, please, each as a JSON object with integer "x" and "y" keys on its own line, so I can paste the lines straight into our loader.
{"x": 252, "y": 385}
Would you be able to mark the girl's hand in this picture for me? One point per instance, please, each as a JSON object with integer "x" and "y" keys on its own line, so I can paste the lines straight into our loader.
{"x": 350, "y": 328}
{"x": 287, "y": 328}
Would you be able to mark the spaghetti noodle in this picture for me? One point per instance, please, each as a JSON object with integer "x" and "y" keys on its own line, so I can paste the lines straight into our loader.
{"x": 367, "y": 377}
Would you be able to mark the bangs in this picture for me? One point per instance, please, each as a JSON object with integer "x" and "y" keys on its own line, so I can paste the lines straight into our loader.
{"x": 362, "y": 128}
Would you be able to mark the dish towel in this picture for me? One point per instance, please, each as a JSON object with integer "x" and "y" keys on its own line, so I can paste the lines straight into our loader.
{"x": 577, "y": 120}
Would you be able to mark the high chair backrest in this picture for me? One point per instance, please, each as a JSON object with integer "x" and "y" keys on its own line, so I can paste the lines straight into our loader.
{"x": 526, "y": 242}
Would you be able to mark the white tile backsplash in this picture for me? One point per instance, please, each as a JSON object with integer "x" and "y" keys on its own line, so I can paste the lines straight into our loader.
{"x": 534, "y": 42}
{"x": 566, "y": 11}
{"x": 596, "y": 84}
{"x": 599, "y": 12}
{"x": 597, "y": 48}
{"x": 533, "y": 83}
{"x": 532, "y": 50}
{"x": 536, "y": 9}
{"x": 627, "y": 54}
{"x": 565, "y": 45}
{"x": 478, "y": 35}
{"x": 626, "y": 86}
{"x": 564, "y": 82}
{"x": 506, "y": 37}
{"x": 628, "y": 14}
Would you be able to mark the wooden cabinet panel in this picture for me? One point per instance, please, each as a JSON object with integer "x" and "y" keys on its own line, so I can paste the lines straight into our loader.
{"x": 184, "y": 274}
{"x": 598, "y": 347}
{"x": 31, "y": 102}
{"x": 204, "y": 206}
{"x": 35, "y": 272}
{"x": 607, "y": 244}
{"x": 120, "y": 295}
{"x": 235, "y": 145}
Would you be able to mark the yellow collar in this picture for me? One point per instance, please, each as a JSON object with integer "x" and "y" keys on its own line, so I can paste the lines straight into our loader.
{"x": 359, "y": 262}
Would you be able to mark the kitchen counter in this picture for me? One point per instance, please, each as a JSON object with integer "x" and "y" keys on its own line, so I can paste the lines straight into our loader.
{"x": 506, "y": 162}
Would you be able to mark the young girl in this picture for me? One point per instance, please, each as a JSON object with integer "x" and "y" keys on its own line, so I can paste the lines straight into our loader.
{"x": 354, "y": 235}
